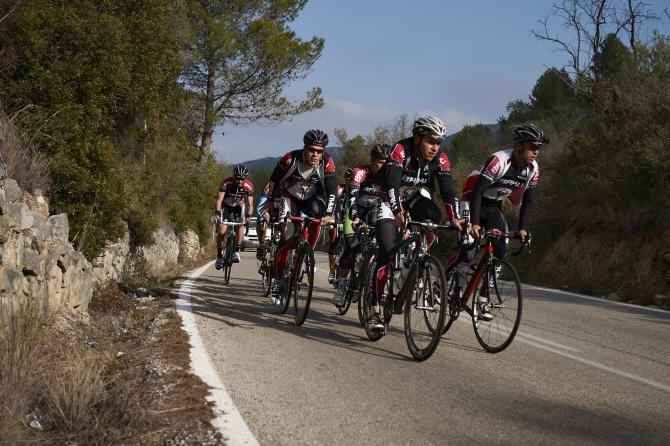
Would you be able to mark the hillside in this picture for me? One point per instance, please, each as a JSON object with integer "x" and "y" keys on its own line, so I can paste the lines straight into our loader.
{"x": 269, "y": 162}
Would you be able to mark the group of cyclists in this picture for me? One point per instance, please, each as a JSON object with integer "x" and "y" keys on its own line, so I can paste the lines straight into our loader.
{"x": 397, "y": 183}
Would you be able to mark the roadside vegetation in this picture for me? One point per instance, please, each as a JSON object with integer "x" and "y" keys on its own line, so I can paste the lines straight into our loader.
{"x": 601, "y": 221}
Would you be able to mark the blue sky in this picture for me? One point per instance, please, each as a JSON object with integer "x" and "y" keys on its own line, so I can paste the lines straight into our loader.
{"x": 460, "y": 60}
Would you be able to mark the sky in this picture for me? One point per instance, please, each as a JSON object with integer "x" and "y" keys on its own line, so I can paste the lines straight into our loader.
{"x": 462, "y": 61}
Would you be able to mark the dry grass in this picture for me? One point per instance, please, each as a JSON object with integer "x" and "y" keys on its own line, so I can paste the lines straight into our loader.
{"x": 631, "y": 268}
{"x": 93, "y": 395}
{"x": 24, "y": 163}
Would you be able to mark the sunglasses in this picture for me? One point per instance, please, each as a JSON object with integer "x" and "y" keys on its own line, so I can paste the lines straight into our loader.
{"x": 316, "y": 150}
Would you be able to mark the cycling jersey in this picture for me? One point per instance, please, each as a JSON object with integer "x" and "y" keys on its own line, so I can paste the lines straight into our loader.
{"x": 498, "y": 179}
{"x": 407, "y": 173}
{"x": 235, "y": 194}
{"x": 262, "y": 198}
{"x": 293, "y": 177}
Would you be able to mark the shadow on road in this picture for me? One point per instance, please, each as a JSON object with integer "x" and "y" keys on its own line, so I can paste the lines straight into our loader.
{"x": 241, "y": 305}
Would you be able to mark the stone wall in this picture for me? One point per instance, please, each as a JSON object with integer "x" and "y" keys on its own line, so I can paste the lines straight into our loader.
{"x": 37, "y": 262}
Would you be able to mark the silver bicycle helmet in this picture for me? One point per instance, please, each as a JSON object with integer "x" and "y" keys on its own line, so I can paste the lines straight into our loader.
{"x": 429, "y": 125}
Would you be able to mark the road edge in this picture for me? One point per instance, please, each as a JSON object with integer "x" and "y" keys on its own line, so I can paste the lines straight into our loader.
{"x": 228, "y": 420}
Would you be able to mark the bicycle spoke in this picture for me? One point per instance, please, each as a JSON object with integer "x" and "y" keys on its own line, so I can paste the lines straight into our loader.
{"x": 505, "y": 306}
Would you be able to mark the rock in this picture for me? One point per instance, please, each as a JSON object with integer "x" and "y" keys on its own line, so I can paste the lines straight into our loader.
{"x": 17, "y": 216}
{"x": 37, "y": 203}
{"x": 58, "y": 228}
{"x": 9, "y": 191}
{"x": 189, "y": 245}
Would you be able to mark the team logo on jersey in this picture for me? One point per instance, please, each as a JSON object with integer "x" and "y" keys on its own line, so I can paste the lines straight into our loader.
{"x": 494, "y": 167}
{"x": 359, "y": 176}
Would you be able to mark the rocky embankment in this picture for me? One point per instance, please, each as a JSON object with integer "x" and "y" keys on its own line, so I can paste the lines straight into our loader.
{"x": 38, "y": 264}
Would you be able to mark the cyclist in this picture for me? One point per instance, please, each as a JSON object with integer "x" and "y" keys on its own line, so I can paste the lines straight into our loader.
{"x": 412, "y": 168}
{"x": 363, "y": 197}
{"x": 303, "y": 181}
{"x": 334, "y": 233}
{"x": 234, "y": 200}
{"x": 511, "y": 174}
{"x": 263, "y": 220}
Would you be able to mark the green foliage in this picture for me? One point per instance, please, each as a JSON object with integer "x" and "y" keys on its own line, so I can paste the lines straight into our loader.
{"x": 96, "y": 86}
{"x": 354, "y": 151}
{"x": 240, "y": 55}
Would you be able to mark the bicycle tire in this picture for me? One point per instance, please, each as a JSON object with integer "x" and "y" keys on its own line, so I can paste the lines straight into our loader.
{"x": 285, "y": 296}
{"x": 428, "y": 296}
{"x": 362, "y": 278}
{"x": 342, "y": 309}
{"x": 364, "y": 308}
{"x": 305, "y": 264}
{"x": 227, "y": 261}
{"x": 266, "y": 277}
{"x": 505, "y": 302}
{"x": 453, "y": 299}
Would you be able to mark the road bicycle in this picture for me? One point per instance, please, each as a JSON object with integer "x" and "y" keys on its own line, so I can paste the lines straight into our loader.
{"x": 228, "y": 249}
{"x": 266, "y": 265}
{"x": 365, "y": 251}
{"x": 298, "y": 277}
{"x": 419, "y": 295}
{"x": 493, "y": 282}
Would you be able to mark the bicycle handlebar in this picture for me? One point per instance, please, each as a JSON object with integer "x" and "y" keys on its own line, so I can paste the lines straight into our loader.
{"x": 429, "y": 225}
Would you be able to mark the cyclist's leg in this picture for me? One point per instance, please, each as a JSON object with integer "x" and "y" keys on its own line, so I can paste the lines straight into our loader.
{"x": 287, "y": 230}
{"x": 314, "y": 208}
{"x": 332, "y": 246}
{"x": 260, "y": 220}
{"x": 422, "y": 208}
{"x": 492, "y": 217}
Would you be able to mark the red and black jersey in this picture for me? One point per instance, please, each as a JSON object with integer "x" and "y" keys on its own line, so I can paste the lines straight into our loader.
{"x": 363, "y": 183}
{"x": 502, "y": 178}
{"x": 294, "y": 177}
{"x": 405, "y": 168}
{"x": 235, "y": 194}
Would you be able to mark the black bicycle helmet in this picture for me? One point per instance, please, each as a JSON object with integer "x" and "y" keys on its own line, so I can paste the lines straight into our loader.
{"x": 241, "y": 171}
{"x": 529, "y": 132}
{"x": 429, "y": 125}
{"x": 380, "y": 151}
{"x": 315, "y": 137}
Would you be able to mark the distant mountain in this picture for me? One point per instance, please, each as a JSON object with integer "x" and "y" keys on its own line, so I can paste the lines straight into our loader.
{"x": 269, "y": 162}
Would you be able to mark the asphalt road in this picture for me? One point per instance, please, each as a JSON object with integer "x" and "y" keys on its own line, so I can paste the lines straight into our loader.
{"x": 580, "y": 371}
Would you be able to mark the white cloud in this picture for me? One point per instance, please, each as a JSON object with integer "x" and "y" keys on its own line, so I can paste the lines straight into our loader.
{"x": 241, "y": 143}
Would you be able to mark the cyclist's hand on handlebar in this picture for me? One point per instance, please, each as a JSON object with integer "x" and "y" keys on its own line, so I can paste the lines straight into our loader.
{"x": 476, "y": 231}
{"x": 326, "y": 220}
{"x": 217, "y": 217}
{"x": 524, "y": 236}
{"x": 400, "y": 220}
{"x": 355, "y": 223}
{"x": 457, "y": 224}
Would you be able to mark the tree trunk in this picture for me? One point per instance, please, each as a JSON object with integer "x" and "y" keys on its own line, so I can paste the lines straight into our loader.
{"x": 209, "y": 120}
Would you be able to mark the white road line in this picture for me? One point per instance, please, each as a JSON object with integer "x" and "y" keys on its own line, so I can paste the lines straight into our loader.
{"x": 539, "y": 342}
{"x": 545, "y": 341}
{"x": 600, "y": 366}
{"x": 596, "y": 299}
{"x": 228, "y": 421}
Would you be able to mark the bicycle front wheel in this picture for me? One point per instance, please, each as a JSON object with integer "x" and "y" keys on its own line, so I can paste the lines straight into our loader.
{"x": 304, "y": 283}
{"x": 266, "y": 277}
{"x": 500, "y": 289}
{"x": 426, "y": 309}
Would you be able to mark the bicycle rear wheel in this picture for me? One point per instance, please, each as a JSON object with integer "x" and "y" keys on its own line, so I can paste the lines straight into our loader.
{"x": 304, "y": 283}
{"x": 426, "y": 310}
{"x": 502, "y": 287}
{"x": 347, "y": 302}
